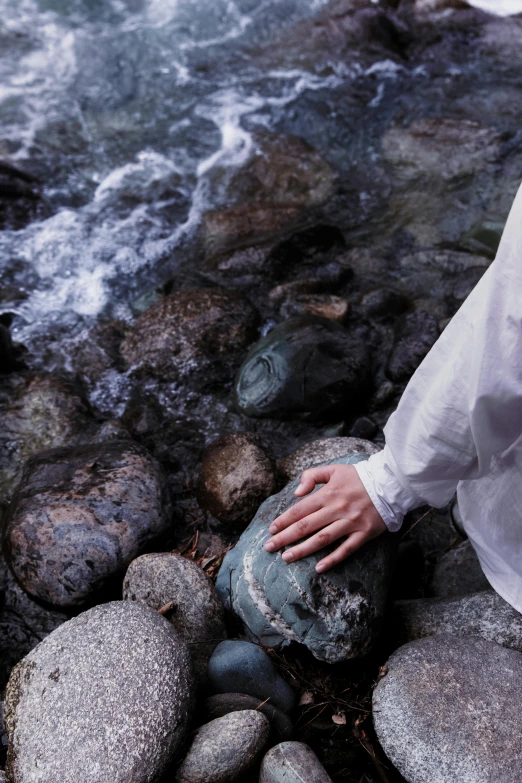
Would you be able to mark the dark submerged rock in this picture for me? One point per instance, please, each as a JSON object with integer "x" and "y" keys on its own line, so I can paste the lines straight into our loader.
{"x": 416, "y": 335}
{"x": 337, "y": 615}
{"x": 189, "y": 331}
{"x": 484, "y": 614}
{"x": 196, "y": 613}
{"x": 106, "y": 698}
{"x": 236, "y": 475}
{"x": 308, "y": 367}
{"x": 246, "y": 667}
{"x": 224, "y": 703}
{"x": 448, "y": 709}
{"x": 292, "y": 762}
{"x": 80, "y": 515}
{"x": 225, "y": 749}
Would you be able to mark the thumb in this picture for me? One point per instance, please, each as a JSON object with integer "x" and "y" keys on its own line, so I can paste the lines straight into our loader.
{"x": 313, "y": 476}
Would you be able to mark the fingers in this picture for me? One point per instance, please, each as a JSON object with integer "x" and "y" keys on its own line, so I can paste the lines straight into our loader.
{"x": 295, "y": 513}
{"x": 313, "y": 544}
{"x": 301, "y": 528}
{"x": 313, "y": 476}
{"x": 347, "y": 548}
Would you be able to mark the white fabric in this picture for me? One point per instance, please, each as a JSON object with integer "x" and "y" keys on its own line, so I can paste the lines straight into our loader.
{"x": 458, "y": 425}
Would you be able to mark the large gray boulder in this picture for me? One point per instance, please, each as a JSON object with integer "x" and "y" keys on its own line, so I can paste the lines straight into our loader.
{"x": 337, "y": 614}
{"x": 106, "y": 698}
{"x": 484, "y": 614}
{"x": 224, "y": 749}
{"x": 447, "y": 710}
{"x": 80, "y": 515}
{"x": 165, "y": 579}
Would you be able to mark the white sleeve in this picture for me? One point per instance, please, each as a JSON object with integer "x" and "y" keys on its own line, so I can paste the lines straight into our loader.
{"x": 464, "y": 402}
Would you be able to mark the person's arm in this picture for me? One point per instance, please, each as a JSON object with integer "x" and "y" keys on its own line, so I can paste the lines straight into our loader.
{"x": 462, "y": 406}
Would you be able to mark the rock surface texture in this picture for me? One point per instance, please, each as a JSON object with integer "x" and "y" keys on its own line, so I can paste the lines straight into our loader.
{"x": 292, "y": 762}
{"x": 306, "y": 367}
{"x": 483, "y": 614}
{"x": 80, "y": 515}
{"x": 224, "y": 703}
{"x": 337, "y": 615}
{"x": 322, "y": 450}
{"x": 106, "y": 698}
{"x": 237, "y": 474}
{"x": 196, "y": 613}
{"x": 246, "y": 667}
{"x": 225, "y": 748}
{"x": 189, "y": 330}
{"x": 458, "y": 572}
{"x": 448, "y": 711}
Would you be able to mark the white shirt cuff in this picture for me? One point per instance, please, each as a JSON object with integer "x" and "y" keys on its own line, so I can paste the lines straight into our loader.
{"x": 390, "y": 499}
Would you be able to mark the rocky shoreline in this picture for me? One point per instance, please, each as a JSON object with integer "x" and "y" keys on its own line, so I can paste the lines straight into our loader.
{"x": 145, "y": 634}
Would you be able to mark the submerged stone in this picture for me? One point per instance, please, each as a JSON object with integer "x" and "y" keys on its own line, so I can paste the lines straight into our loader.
{"x": 307, "y": 367}
{"x": 337, "y": 615}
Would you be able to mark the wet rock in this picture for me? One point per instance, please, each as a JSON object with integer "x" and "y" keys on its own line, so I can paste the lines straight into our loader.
{"x": 239, "y": 227}
{"x": 317, "y": 452}
{"x": 80, "y": 515}
{"x": 196, "y": 613}
{"x": 484, "y": 614}
{"x": 117, "y": 678}
{"x": 237, "y": 474}
{"x": 284, "y": 170}
{"x": 335, "y": 308}
{"x": 448, "y": 709}
{"x": 383, "y": 302}
{"x": 417, "y": 334}
{"x": 364, "y": 427}
{"x": 306, "y": 285}
{"x": 190, "y": 330}
{"x": 247, "y": 668}
{"x": 434, "y": 157}
{"x": 20, "y": 197}
{"x": 45, "y": 412}
{"x": 224, "y": 703}
{"x": 10, "y": 353}
{"x": 241, "y": 267}
{"x": 336, "y": 615}
{"x": 441, "y": 275}
{"x": 313, "y": 252}
{"x": 458, "y": 572}
{"x": 23, "y": 623}
{"x": 308, "y": 367}
{"x": 225, "y": 749}
{"x": 292, "y": 762}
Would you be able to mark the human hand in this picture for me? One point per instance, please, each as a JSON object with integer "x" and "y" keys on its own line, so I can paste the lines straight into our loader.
{"x": 341, "y": 508}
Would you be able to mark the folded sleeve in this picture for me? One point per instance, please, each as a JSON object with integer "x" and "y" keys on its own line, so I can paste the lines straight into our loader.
{"x": 464, "y": 403}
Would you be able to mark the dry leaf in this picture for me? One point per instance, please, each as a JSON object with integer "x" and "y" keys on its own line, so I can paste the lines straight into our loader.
{"x": 339, "y": 719}
{"x": 307, "y": 697}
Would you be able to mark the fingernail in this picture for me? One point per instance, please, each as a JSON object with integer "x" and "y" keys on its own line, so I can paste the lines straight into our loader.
{"x": 272, "y": 529}
{"x": 269, "y": 546}
{"x": 288, "y": 557}
{"x": 320, "y": 567}
{"x": 299, "y": 488}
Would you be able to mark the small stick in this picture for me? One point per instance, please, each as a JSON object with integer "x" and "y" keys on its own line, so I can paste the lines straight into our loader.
{"x": 165, "y": 609}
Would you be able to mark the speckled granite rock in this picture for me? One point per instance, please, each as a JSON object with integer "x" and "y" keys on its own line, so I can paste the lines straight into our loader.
{"x": 225, "y": 748}
{"x": 292, "y": 762}
{"x": 197, "y": 613}
{"x": 224, "y": 703}
{"x": 337, "y": 615}
{"x": 106, "y": 698}
{"x": 80, "y": 515}
{"x": 458, "y": 572}
{"x": 483, "y": 614}
{"x": 246, "y": 667}
{"x": 322, "y": 450}
{"x": 448, "y": 711}
{"x": 236, "y": 475}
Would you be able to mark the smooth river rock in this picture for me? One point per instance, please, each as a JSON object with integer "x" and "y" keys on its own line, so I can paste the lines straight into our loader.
{"x": 307, "y": 367}
{"x": 189, "y": 331}
{"x": 225, "y": 748}
{"x": 292, "y": 762}
{"x": 247, "y": 668}
{"x": 236, "y": 475}
{"x": 317, "y": 452}
{"x": 458, "y": 572}
{"x": 196, "y": 613}
{"x": 106, "y": 698}
{"x": 483, "y": 614}
{"x": 337, "y": 615}
{"x": 224, "y": 703}
{"x": 80, "y": 515}
{"x": 447, "y": 710}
